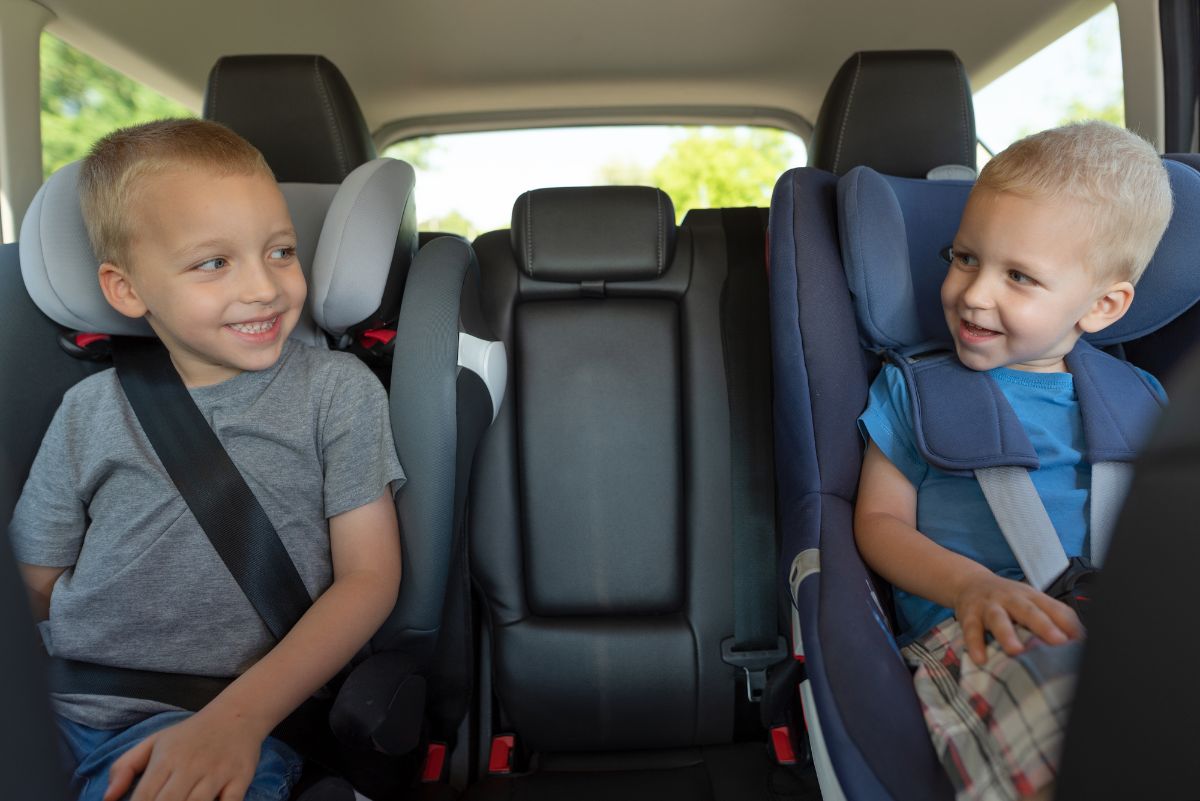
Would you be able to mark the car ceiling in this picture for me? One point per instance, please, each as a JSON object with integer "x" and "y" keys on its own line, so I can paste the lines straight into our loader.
{"x": 425, "y": 65}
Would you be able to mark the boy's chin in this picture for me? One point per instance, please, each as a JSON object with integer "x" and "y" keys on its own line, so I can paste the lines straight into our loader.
{"x": 975, "y": 361}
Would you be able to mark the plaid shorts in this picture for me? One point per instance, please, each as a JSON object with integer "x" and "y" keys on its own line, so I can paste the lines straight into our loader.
{"x": 996, "y": 727}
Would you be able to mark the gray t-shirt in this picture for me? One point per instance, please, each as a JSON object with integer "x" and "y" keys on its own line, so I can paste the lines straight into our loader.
{"x": 144, "y": 587}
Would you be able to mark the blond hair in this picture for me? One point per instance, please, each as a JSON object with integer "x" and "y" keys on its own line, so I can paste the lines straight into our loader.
{"x": 1115, "y": 175}
{"x": 109, "y": 176}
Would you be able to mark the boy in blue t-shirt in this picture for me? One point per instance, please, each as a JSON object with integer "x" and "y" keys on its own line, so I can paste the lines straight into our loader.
{"x": 1056, "y": 232}
{"x": 193, "y": 235}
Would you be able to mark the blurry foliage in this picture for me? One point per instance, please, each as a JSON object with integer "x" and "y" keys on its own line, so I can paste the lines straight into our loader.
{"x": 453, "y": 222}
{"x": 82, "y": 100}
{"x": 722, "y": 168}
{"x": 418, "y": 152}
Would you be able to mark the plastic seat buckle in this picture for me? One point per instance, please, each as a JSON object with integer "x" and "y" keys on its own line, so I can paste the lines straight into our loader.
{"x": 435, "y": 761}
{"x": 500, "y": 760}
{"x": 754, "y": 664}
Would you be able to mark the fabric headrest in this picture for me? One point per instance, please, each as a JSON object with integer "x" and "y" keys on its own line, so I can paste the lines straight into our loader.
{"x": 352, "y": 240}
{"x": 894, "y": 230}
{"x": 600, "y": 233}
{"x": 298, "y": 110}
{"x": 902, "y": 112}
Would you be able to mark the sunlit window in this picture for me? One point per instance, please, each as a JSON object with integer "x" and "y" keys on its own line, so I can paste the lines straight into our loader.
{"x": 466, "y": 183}
{"x": 1077, "y": 77}
{"x": 82, "y": 100}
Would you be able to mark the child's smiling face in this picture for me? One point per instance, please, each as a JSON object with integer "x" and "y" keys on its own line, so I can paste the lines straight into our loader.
{"x": 1021, "y": 289}
{"x": 213, "y": 268}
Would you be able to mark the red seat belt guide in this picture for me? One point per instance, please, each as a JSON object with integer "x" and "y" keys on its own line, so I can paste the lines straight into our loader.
{"x": 435, "y": 760}
{"x": 376, "y": 336}
{"x": 781, "y": 741}
{"x": 501, "y": 758}
{"x": 83, "y": 340}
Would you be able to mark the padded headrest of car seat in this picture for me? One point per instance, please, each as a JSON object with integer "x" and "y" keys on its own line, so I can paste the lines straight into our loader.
{"x": 298, "y": 110}
{"x": 348, "y": 240}
{"x": 594, "y": 233}
{"x": 901, "y": 112}
{"x": 894, "y": 230}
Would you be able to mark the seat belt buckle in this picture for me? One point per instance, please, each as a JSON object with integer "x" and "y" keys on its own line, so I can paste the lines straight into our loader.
{"x": 781, "y": 744}
{"x": 500, "y": 760}
{"x": 434, "y": 764}
{"x": 754, "y": 664}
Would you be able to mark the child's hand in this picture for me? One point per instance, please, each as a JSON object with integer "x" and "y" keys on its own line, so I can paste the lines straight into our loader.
{"x": 992, "y": 603}
{"x": 207, "y": 756}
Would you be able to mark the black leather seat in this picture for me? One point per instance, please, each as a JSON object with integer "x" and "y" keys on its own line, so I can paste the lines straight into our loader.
{"x": 600, "y": 508}
{"x": 900, "y": 112}
{"x": 297, "y": 109}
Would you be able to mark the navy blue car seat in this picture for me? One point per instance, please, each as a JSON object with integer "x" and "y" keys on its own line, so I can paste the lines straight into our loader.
{"x": 856, "y": 268}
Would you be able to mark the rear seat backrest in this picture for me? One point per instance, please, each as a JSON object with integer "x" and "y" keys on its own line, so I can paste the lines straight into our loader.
{"x": 600, "y": 514}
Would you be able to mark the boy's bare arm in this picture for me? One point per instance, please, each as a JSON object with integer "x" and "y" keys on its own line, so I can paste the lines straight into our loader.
{"x": 885, "y": 519}
{"x": 215, "y": 752}
{"x": 39, "y": 583}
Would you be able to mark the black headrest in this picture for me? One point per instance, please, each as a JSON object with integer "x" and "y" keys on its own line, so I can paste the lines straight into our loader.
{"x": 900, "y": 112}
{"x": 594, "y": 233}
{"x": 298, "y": 110}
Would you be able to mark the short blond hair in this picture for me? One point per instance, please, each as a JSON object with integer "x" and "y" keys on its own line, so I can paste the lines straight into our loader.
{"x": 1113, "y": 173}
{"x": 109, "y": 176}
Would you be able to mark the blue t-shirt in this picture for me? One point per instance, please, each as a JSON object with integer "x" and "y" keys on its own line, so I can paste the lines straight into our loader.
{"x": 952, "y": 511}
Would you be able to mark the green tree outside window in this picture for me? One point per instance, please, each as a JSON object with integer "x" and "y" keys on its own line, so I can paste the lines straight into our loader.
{"x": 82, "y": 100}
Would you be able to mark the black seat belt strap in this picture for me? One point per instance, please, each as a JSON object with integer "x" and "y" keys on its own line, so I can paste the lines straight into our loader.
{"x": 211, "y": 484}
{"x": 756, "y": 643}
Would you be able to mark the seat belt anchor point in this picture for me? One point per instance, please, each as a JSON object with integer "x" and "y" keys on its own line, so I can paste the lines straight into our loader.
{"x": 754, "y": 663}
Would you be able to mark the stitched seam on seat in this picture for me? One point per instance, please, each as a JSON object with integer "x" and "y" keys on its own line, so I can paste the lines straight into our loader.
{"x": 529, "y": 234}
{"x": 962, "y": 107}
{"x": 837, "y": 154}
{"x": 337, "y": 135}
{"x": 659, "y": 244}
{"x": 216, "y": 78}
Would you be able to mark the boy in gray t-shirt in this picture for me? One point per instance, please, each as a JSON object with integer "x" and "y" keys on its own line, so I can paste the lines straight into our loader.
{"x": 194, "y": 236}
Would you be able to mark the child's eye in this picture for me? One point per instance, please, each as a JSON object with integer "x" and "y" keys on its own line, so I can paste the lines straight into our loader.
{"x": 1018, "y": 277}
{"x": 283, "y": 253}
{"x": 964, "y": 259}
{"x": 211, "y": 265}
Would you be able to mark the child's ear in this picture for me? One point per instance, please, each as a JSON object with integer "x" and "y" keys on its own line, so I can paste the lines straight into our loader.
{"x": 1108, "y": 308}
{"x": 119, "y": 291}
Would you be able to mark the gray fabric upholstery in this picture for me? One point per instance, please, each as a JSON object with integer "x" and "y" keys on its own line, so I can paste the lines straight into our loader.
{"x": 58, "y": 265}
{"x": 367, "y": 217}
{"x": 372, "y": 217}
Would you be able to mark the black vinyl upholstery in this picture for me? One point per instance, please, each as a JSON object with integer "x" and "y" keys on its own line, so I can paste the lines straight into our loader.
{"x": 297, "y": 109}
{"x": 600, "y": 507}
{"x": 901, "y": 112}
{"x": 574, "y": 423}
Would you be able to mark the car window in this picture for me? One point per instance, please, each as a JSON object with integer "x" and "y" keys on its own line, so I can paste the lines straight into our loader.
{"x": 83, "y": 99}
{"x": 1077, "y": 77}
{"x": 466, "y": 183}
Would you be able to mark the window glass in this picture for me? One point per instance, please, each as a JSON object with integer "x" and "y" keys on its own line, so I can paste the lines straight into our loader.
{"x": 82, "y": 100}
{"x": 466, "y": 183}
{"x": 1077, "y": 77}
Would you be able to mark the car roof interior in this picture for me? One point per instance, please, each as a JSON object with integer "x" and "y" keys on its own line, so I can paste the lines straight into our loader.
{"x": 419, "y": 68}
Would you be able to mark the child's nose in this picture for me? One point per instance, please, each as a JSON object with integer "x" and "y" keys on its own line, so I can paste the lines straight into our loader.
{"x": 258, "y": 284}
{"x": 978, "y": 292}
